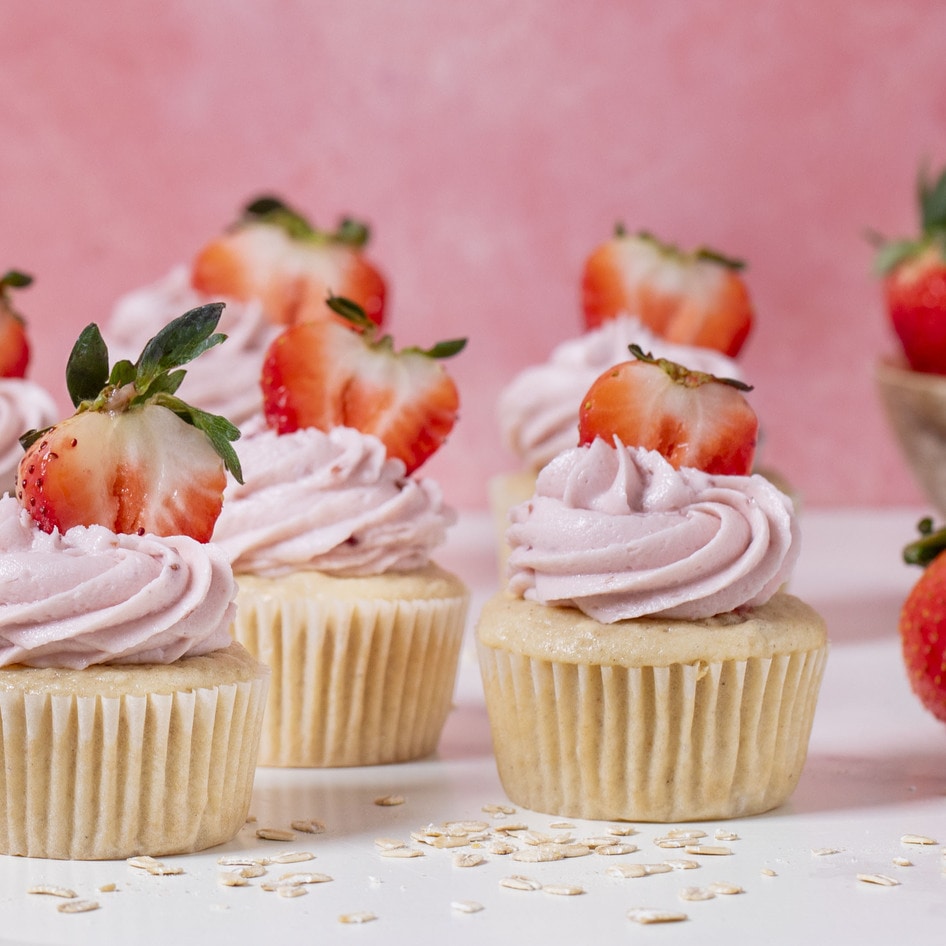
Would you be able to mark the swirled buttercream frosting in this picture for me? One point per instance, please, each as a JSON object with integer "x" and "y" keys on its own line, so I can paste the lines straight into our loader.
{"x": 225, "y": 379}
{"x": 538, "y": 410}
{"x": 331, "y": 502}
{"x": 90, "y": 596}
{"x": 618, "y": 533}
{"x": 23, "y": 406}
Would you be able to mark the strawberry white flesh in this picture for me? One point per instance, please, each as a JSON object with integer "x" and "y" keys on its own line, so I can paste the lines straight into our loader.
{"x": 124, "y": 471}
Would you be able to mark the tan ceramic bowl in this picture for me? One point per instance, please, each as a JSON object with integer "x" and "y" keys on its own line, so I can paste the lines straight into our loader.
{"x": 915, "y": 403}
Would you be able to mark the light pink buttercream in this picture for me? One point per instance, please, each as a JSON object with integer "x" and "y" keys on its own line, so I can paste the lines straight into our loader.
{"x": 23, "y": 406}
{"x": 225, "y": 379}
{"x": 538, "y": 410}
{"x": 89, "y": 596}
{"x": 618, "y": 533}
{"x": 330, "y": 502}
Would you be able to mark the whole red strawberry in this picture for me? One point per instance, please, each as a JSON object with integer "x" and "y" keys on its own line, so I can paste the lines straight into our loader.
{"x": 134, "y": 457}
{"x": 338, "y": 372}
{"x": 275, "y": 255}
{"x": 690, "y": 298}
{"x": 914, "y": 281}
{"x": 692, "y": 418}
{"x": 923, "y": 621}
{"x": 14, "y": 345}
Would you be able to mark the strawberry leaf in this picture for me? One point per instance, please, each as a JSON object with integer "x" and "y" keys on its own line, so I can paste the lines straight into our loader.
{"x": 351, "y": 233}
{"x": 349, "y": 310}
{"x": 179, "y": 342}
{"x": 272, "y": 210}
{"x": 932, "y": 199}
{"x": 14, "y": 279}
{"x": 87, "y": 367}
{"x": 443, "y": 349}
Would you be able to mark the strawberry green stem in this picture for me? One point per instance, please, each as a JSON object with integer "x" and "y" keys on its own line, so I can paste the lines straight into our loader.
{"x": 932, "y": 541}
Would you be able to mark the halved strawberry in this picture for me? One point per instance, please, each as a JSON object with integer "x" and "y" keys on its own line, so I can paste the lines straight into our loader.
{"x": 134, "y": 457}
{"x": 694, "y": 419}
{"x": 691, "y": 298}
{"x": 14, "y": 345}
{"x": 275, "y": 255}
{"x": 338, "y": 373}
{"x": 914, "y": 281}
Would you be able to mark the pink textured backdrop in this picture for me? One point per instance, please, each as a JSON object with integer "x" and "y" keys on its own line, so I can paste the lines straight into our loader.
{"x": 491, "y": 145}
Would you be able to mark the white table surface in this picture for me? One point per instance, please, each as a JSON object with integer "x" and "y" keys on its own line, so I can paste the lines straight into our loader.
{"x": 876, "y": 771}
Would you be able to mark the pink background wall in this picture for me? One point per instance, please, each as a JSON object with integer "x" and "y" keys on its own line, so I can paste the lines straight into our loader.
{"x": 491, "y": 145}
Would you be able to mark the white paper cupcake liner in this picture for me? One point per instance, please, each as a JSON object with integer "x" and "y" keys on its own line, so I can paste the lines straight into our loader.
{"x": 354, "y": 681}
{"x": 677, "y": 743}
{"x": 104, "y": 776}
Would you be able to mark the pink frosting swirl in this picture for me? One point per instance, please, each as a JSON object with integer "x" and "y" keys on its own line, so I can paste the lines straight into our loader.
{"x": 89, "y": 596}
{"x": 619, "y": 533}
{"x": 225, "y": 379}
{"x": 23, "y": 406}
{"x": 330, "y": 502}
{"x": 538, "y": 410}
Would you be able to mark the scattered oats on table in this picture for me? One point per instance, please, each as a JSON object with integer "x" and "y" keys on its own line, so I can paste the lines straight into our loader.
{"x": 78, "y": 906}
{"x": 880, "y": 880}
{"x": 275, "y": 834}
{"x": 389, "y": 801}
{"x": 644, "y": 915}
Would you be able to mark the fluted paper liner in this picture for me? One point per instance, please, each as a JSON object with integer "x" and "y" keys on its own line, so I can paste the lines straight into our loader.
{"x": 102, "y": 775}
{"x": 691, "y": 739}
{"x": 363, "y": 669}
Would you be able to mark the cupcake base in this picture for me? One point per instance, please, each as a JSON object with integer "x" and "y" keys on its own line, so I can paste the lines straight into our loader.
{"x": 119, "y": 760}
{"x": 650, "y": 720}
{"x": 363, "y": 668}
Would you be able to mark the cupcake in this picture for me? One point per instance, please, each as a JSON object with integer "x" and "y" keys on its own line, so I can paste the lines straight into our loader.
{"x": 130, "y": 718}
{"x": 643, "y": 662}
{"x": 272, "y": 268}
{"x": 689, "y": 307}
{"x": 330, "y": 536}
{"x": 912, "y": 381}
{"x": 24, "y": 405}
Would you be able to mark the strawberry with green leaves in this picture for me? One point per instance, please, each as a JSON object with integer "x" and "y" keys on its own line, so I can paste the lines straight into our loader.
{"x": 134, "y": 457}
{"x": 275, "y": 255}
{"x": 692, "y": 418}
{"x": 341, "y": 373}
{"x": 690, "y": 298}
{"x": 914, "y": 281}
{"x": 922, "y": 623}
{"x": 14, "y": 345}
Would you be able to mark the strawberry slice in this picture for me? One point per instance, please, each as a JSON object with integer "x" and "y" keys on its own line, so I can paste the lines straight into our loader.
{"x": 338, "y": 372}
{"x": 696, "y": 298}
{"x": 694, "y": 419}
{"x": 914, "y": 281}
{"x": 275, "y": 255}
{"x": 14, "y": 345}
{"x": 134, "y": 457}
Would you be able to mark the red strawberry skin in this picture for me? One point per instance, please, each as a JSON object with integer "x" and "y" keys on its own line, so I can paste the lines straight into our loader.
{"x": 915, "y": 295}
{"x": 923, "y": 637}
{"x": 125, "y": 472}
{"x": 696, "y": 298}
{"x": 292, "y": 278}
{"x": 325, "y": 374}
{"x": 696, "y": 421}
{"x": 14, "y": 345}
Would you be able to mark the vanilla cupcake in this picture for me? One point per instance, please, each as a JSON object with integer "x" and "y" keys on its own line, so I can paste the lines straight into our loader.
{"x": 643, "y": 664}
{"x": 331, "y": 544}
{"x": 130, "y": 718}
{"x": 331, "y": 537}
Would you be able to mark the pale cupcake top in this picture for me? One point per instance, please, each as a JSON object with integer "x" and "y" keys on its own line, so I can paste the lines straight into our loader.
{"x": 225, "y": 380}
{"x": 24, "y": 406}
{"x": 328, "y": 501}
{"x": 538, "y": 410}
{"x": 91, "y": 596}
{"x": 618, "y": 533}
